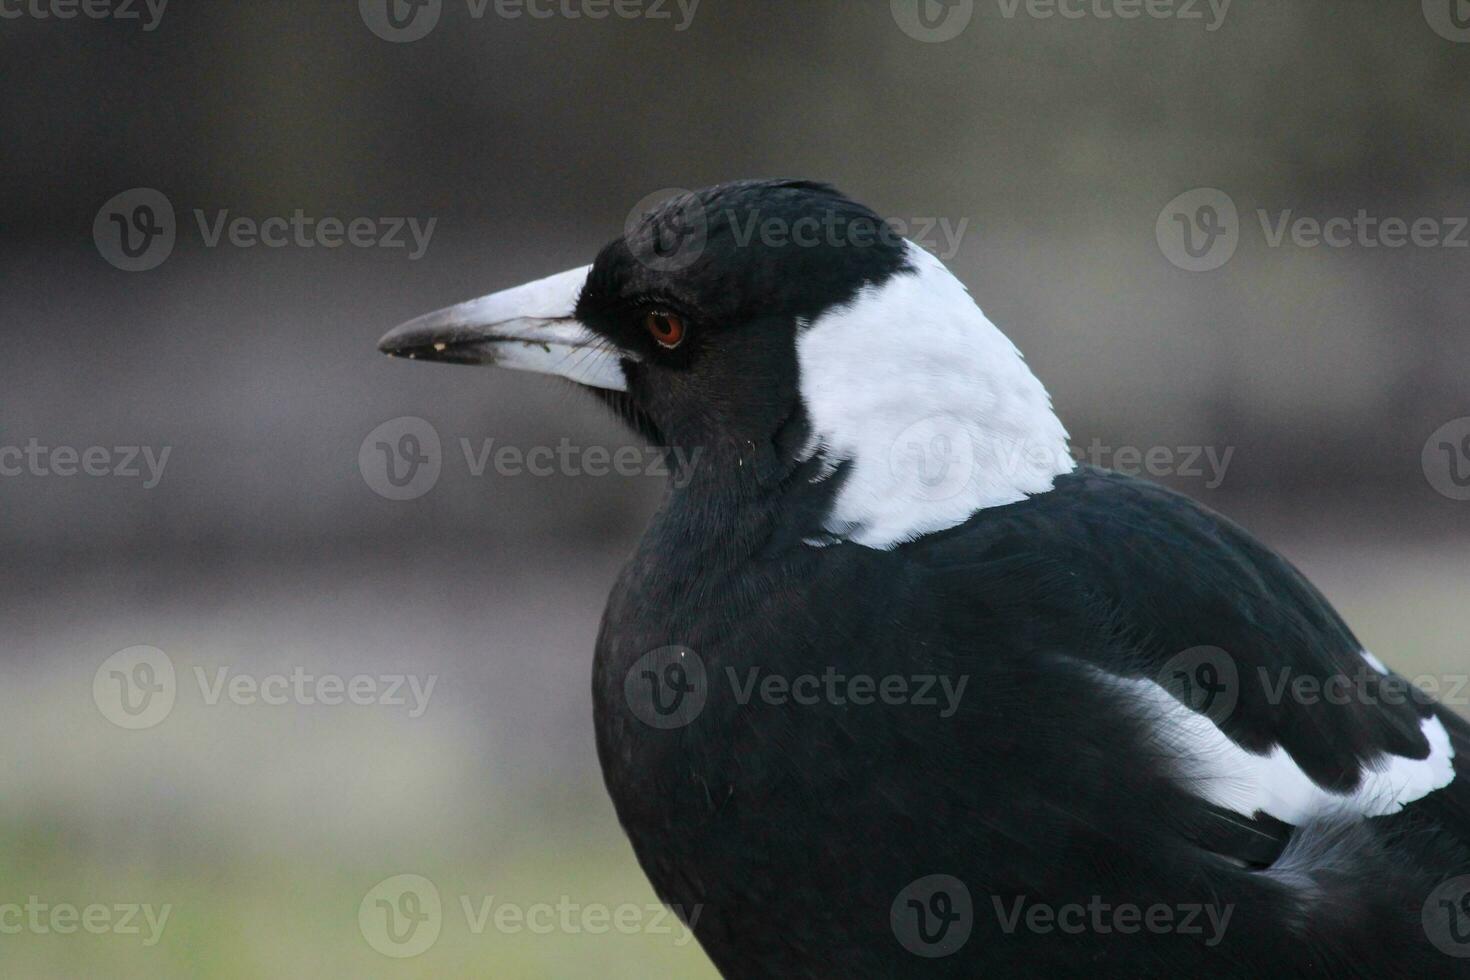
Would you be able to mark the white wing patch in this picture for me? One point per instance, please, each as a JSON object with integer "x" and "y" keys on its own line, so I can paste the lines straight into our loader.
{"x": 932, "y": 407}
{"x": 1217, "y": 769}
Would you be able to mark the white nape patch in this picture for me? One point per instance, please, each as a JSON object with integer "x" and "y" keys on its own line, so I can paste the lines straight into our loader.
{"x": 931, "y": 406}
{"x": 1375, "y": 663}
{"x": 1219, "y": 770}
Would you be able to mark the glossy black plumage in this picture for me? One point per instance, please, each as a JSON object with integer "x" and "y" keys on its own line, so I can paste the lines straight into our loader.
{"x": 798, "y": 829}
{"x": 796, "y": 826}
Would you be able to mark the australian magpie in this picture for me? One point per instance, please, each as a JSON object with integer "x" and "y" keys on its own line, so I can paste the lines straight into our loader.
{"x": 893, "y": 686}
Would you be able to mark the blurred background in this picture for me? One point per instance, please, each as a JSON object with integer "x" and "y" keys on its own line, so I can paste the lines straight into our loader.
{"x": 1124, "y": 196}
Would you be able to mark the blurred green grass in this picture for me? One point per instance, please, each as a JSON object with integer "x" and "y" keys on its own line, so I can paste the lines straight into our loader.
{"x": 238, "y": 917}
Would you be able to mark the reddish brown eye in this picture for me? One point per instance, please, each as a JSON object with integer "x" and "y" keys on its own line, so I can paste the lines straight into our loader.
{"x": 666, "y": 328}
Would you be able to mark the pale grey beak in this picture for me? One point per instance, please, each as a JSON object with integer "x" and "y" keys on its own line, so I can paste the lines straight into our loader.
{"x": 528, "y": 328}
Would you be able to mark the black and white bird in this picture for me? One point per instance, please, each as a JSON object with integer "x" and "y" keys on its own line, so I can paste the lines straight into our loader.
{"x": 892, "y": 686}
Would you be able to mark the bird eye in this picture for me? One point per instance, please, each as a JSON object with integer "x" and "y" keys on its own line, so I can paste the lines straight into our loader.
{"x": 666, "y": 328}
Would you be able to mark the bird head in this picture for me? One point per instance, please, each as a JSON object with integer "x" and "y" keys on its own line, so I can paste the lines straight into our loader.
{"x": 771, "y": 325}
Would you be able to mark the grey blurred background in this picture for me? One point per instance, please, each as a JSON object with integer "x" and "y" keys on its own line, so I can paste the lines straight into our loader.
{"x": 1045, "y": 151}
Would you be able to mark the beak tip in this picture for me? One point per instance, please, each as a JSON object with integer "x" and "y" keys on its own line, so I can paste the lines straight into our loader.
{"x": 388, "y": 343}
{"x": 417, "y": 340}
{"x": 398, "y": 343}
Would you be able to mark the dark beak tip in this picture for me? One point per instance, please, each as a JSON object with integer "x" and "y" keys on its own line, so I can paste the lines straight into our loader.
{"x": 406, "y": 340}
{"x": 413, "y": 342}
{"x": 392, "y": 341}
